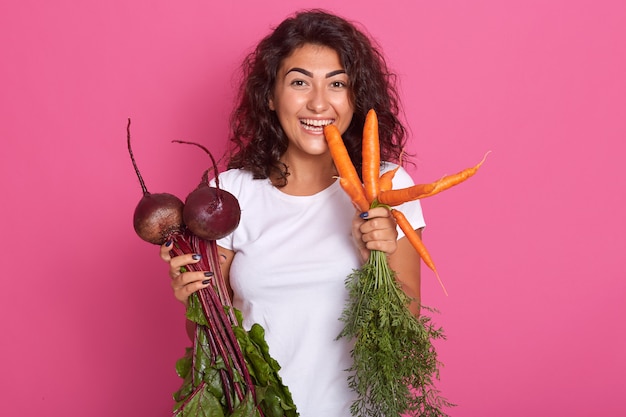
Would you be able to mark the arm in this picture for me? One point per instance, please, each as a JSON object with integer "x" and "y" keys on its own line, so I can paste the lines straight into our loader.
{"x": 406, "y": 263}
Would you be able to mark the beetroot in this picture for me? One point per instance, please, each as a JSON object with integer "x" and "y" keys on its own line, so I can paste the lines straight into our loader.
{"x": 210, "y": 212}
{"x": 220, "y": 377}
{"x": 157, "y": 216}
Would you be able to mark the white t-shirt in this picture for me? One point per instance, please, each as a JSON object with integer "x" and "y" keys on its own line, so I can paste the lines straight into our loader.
{"x": 292, "y": 257}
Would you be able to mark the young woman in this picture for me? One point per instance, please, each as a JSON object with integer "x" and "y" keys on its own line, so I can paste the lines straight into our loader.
{"x": 299, "y": 236}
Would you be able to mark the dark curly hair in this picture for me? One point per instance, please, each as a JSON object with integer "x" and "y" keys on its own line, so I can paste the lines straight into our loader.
{"x": 258, "y": 140}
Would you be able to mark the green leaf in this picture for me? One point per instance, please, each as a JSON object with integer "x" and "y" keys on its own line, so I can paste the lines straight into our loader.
{"x": 183, "y": 392}
{"x": 272, "y": 403}
{"x": 183, "y": 365}
{"x": 257, "y": 335}
{"x": 194, "y": 310}
{"x": 201, "y": 404}
{"x": 246, "y": 408}
{"x": 183, "y": 369}
{"x": 202, "y": 361}
{"x": 214, "y": 383}
{"x": 262, "y": 370}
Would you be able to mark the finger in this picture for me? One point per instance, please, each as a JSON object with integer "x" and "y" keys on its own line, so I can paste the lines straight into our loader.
{"x": 357, "y": 222}
{"x": 178, "y": 262}
{"x": 382, "y": 235}
{"x": 165, "y": 251}
{"x": 375, "y": 212}
{"x": 387, "y": 246}
{"x": 357, "y": 236}
{"x": 192, "y": 277}
{"x": 188, "y": 283}
{"x": 379, "y": 223}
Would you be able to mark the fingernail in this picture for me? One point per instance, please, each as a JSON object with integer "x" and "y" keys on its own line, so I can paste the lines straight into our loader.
{"x": 195, "y": 257}
{"x": 206, "y": 282}
{"x": 168, "y": 243}
{"x": 208, "y": 274}
{"x": 363, "y": 215}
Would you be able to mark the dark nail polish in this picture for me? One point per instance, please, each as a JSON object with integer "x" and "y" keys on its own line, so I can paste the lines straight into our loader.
{"x": 208, "y": 274}
{"x": 206, "y": 282}
{"x": 168, "y": 243}
{"x": 363, "y": 215}
{"x": 196, "y": 257}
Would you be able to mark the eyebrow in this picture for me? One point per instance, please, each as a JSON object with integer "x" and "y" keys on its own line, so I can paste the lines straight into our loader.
{"x": 310, "y": 74}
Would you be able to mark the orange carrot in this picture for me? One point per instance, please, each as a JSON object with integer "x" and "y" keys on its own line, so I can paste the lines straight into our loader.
{"x": 340, "y": 155}
{"x": 450, "y": 181}
{"x": 416, "y": 242}
{"x": 402, "y": 195}
{"x": 385, "y": 182}
{"x": 371, "y": 156}
{"x": 356, "y": 194}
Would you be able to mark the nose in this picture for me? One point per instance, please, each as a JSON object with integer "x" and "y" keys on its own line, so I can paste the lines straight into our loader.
{"x": 318, "y": 102}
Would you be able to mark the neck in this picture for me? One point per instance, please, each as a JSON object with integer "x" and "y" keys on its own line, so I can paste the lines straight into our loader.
{"x": 308, "y": 176}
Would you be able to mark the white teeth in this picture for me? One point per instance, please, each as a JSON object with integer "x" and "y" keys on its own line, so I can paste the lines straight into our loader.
{"x": 315, "y": 122}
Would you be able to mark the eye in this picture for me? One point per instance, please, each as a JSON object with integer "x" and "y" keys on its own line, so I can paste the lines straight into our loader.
{"x": 339, "y": 84}
{"x": 298, "y": 83}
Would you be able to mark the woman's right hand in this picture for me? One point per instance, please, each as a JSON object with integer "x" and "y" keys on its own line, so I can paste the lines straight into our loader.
{"x": 184, "y": 283}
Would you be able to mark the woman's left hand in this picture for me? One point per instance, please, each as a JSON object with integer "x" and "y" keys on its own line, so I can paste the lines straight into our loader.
{"x": 375, "y": 231}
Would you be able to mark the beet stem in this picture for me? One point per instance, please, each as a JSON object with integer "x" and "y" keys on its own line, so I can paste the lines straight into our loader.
{"x": 213, "y": 300}
{"x": 190, "y": 396}
{"x": 220, "y": 344}
{"x": 132, "y": 158}
{"x": 215, "y": 171}
{"x": 227, "y": 380}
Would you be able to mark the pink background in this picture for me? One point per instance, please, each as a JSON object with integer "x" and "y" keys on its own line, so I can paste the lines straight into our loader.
{"x": 531, "y": 249}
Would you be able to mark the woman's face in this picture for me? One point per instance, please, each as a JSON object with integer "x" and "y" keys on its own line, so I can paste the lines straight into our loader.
{"x": 312, "y": 90}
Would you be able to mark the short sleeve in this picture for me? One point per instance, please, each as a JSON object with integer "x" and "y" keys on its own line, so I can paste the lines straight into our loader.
{"x": 412, "y": 209}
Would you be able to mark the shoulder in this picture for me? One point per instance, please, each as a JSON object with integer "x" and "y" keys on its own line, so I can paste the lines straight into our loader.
{"x": 239, "y": 182}
{"x": 233, "y": 178}
{"x": 236, "y": 174}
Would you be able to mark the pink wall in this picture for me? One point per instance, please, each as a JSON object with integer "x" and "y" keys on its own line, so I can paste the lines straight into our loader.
{"x": 535, "y": 315}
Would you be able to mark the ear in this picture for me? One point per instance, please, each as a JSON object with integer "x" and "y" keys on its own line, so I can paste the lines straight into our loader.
{"x": 271, "y": 104}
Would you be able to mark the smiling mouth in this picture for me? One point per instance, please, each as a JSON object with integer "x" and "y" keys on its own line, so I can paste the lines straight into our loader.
{"x": 315, "y": 125}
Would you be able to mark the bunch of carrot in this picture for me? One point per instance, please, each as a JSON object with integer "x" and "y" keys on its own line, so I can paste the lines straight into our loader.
{"x": 394, "y": 360}
{"x": 375, "y": 190}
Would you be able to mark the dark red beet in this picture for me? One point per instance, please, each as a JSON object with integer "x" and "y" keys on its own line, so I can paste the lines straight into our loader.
{"x": 210, "y": 212}
{"x": 157, "y": 216}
